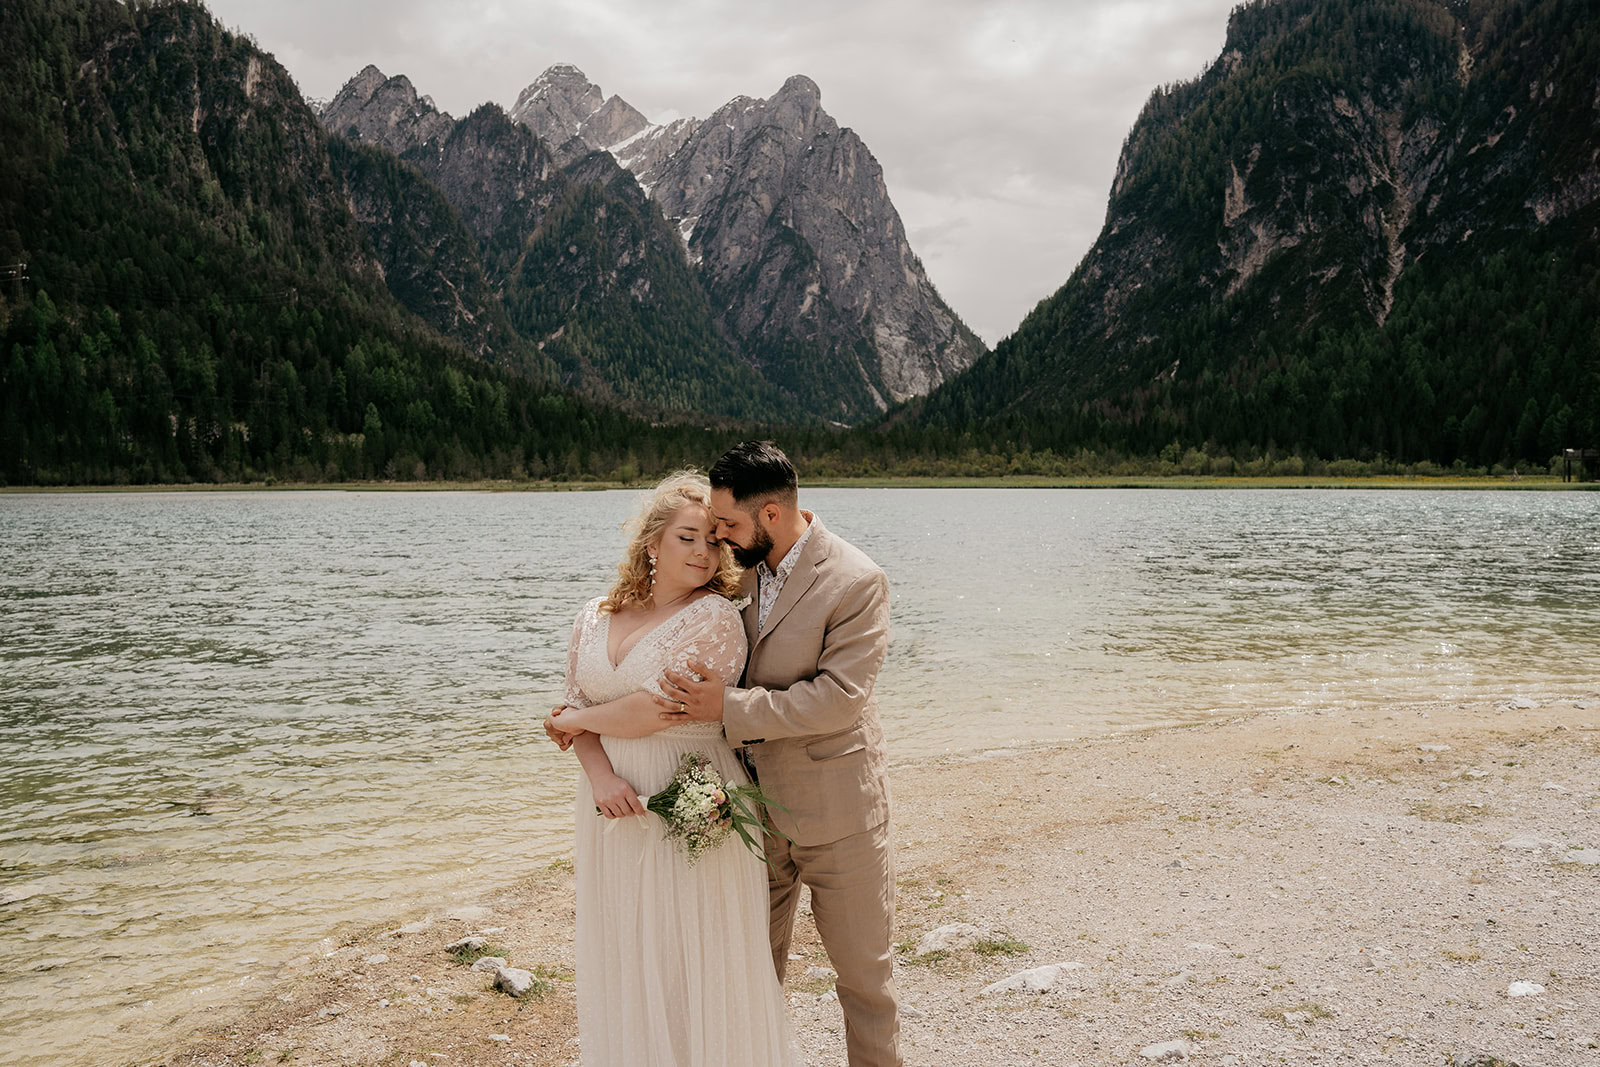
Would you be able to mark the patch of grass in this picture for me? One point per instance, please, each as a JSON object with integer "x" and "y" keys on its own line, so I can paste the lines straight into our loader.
{"x": 928, "y": 959}
{"x": 540, "y": 988}
{"x": 555, "y": 974}
{"x": 1462, "y": 957}
{"x": 1452, "y": 813}
{"x": 1001, "y": 945}
{"x": 1200, "y": 1035}
{"x": 560, "y": 865}
{"x": 469, "y": 956}
{"x": 1313, "y": 1010}
{"x": 814, "y": 986}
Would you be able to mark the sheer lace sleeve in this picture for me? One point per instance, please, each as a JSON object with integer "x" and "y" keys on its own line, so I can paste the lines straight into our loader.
{"x": 713, "y": 636}
{"x": 574, "y": 696}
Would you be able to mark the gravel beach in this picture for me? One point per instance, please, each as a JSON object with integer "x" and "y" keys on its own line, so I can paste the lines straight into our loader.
{"x": 1401, "y": 885}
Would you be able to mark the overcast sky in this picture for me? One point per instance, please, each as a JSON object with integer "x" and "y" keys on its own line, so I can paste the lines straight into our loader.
{"x": 997, "y": 123}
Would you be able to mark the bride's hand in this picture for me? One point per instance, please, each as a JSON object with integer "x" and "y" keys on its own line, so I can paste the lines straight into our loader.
{"x": 616, "y": 798}
{"x": 555, "y": 730}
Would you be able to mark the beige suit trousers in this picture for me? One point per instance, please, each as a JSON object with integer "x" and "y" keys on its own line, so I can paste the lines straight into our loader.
{"x": 852, "y": 901}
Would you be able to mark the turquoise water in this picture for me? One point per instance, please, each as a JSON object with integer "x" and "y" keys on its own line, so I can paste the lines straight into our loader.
{"x": 230, "y": 722}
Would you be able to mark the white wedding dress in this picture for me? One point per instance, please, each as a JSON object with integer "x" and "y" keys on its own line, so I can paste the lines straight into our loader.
{"x": 674, "y": 962}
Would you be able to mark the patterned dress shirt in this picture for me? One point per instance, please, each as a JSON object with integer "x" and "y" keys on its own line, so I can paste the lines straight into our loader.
{"x": 771, "y": 583}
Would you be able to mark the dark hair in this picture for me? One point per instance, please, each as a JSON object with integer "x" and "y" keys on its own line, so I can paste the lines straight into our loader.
{"x": 755, "y": 472}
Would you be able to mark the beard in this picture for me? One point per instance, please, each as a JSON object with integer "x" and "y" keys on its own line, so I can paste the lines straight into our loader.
{"x": 761, "y": 544}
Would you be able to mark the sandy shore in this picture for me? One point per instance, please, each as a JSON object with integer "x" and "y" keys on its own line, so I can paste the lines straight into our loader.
{"x": 1292, "y": 888}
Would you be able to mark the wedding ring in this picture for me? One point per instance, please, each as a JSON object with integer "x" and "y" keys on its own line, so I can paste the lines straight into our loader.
{"x": 682, "y": 707}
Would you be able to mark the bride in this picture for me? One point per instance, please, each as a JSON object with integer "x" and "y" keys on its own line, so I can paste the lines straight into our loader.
{"x": 674, "y": 963}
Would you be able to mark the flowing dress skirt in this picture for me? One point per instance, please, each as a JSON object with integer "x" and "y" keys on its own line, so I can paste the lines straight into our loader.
{"x": 674, "y": 962}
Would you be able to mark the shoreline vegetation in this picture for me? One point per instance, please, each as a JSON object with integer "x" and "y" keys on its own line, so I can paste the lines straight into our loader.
{"x": 1537, "y": 482}
{"x": 1384, "y": 884}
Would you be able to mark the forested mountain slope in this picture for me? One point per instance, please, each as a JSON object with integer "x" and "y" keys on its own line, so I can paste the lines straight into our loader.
{"x": 1369, "y": 228}
{"x": 585, "y": 267}
{"x": 194, "y": 297}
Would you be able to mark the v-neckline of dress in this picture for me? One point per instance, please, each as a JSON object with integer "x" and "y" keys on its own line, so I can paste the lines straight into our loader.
{"x": 606, "y": 636}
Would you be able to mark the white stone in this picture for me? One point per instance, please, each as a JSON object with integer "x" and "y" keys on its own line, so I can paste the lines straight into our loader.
{"x": 949, "y": 938}
{"x": 467, "y": 944}
{"x": 1556, "y": 786}
{"x": 1589, "y": 857}
{"x": 1528, "y": 843}
{"x": 1523, "y": 704}
{"x": 1433, "y": 748}
{"x": 376, "y": 958}
{"x": 489, "y": 964}
{"x": 513, "y": 980}
{"x": 1297, "y": 1018}
{"x": 820, "y": 974}
{"x": 498, "y": 1037}
{"x": 410, "y": 928}
{"x": 1169, "y": 1051}
{"x": 1524, "y": 989}
{"x": 1036, "y": 980}
{"x": 470, "y": 913}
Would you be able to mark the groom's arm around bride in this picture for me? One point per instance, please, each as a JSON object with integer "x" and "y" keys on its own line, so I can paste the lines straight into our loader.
{"x": 818, "y": 629}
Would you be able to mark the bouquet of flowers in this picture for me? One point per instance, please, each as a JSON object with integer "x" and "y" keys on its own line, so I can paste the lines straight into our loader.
{"x": 702, "y": 810}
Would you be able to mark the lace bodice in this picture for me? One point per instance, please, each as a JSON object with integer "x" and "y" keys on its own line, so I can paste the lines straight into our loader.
{"x": 708, "y": 631}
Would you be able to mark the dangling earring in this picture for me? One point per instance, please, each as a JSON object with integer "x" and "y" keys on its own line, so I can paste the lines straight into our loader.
{"x": 652, "y": 576}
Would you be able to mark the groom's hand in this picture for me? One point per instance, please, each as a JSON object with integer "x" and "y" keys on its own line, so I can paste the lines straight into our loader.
{"x": 690, "y": 699}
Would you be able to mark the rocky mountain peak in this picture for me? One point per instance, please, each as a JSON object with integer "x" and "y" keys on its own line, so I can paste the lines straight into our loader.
{"x": 386, "y": 111}
{"x": 799, "y": 83}
{"x": 795, "y": 238}
{"x": 783, "y": 214}
{"x": 796, "y": 106}
{"x": 563, "y": 103}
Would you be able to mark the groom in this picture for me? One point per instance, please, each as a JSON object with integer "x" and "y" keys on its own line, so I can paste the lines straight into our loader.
{"x": 818, "y": 625}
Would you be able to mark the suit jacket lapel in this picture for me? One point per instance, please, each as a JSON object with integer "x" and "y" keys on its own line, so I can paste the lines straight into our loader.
{"x": 800, "y": 579}
{"x": 751, "y": 588}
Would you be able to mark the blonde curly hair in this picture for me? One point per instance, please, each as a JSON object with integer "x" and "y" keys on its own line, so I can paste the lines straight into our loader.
{"x": 646, "y": 526}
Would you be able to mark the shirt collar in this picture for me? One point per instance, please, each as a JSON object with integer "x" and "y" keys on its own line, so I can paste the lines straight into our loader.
{"x": 787, "y": 564}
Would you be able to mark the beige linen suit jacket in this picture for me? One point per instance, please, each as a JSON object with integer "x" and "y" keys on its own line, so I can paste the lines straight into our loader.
{"x": 805, "y": 705}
